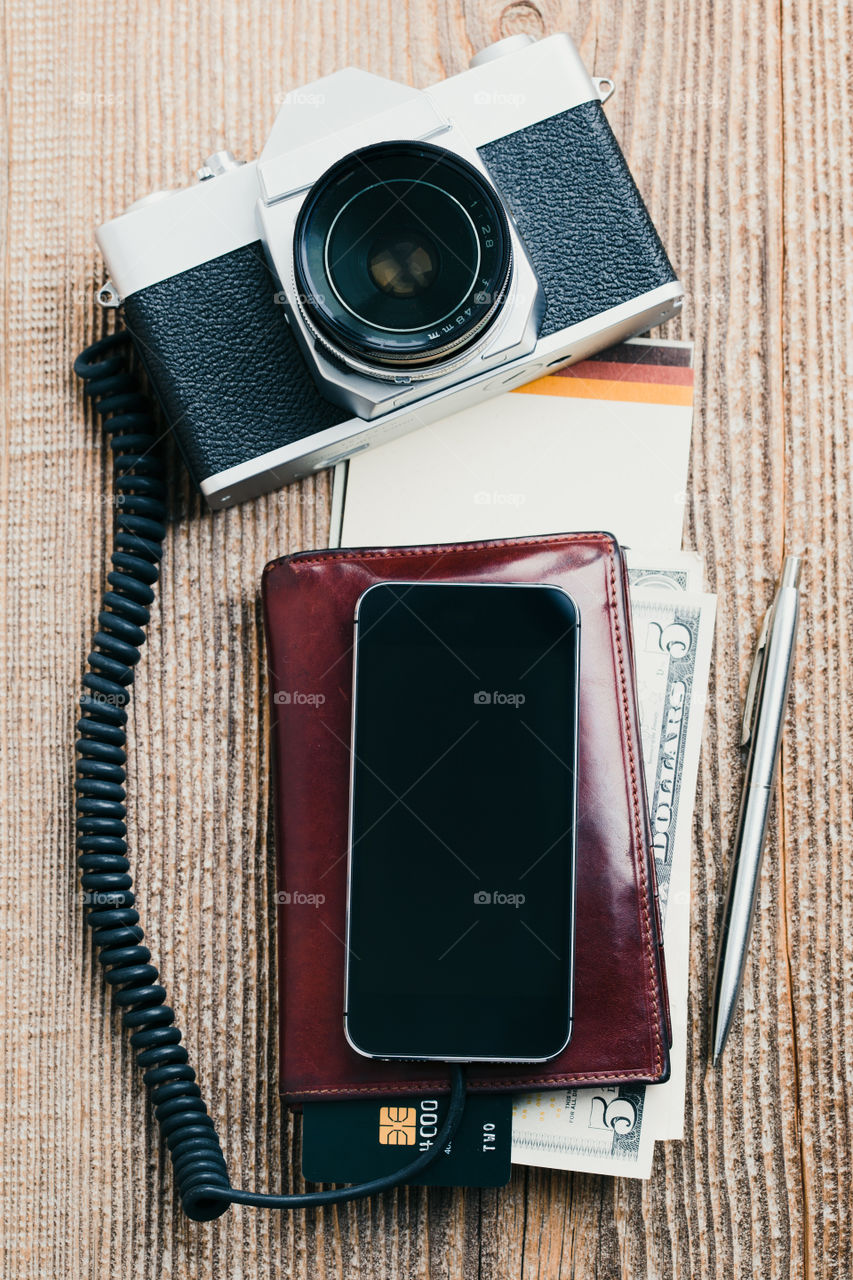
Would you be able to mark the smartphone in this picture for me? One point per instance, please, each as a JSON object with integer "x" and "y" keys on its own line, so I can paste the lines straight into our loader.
{"x": 462, "y": 832}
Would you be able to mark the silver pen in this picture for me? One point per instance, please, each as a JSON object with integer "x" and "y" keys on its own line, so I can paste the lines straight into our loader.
{"x": 763, "y": 721}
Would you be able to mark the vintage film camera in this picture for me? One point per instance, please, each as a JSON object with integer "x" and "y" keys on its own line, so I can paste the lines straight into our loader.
{"x": 393, "y": 256}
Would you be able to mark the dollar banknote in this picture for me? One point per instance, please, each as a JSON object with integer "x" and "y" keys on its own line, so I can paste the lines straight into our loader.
{"x": 672, "y": 742}
{"x": 664, "y": 571}
{"x": 613, "y": 1130}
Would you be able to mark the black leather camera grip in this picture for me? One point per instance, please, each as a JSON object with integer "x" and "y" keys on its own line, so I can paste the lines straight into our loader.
{"x": 588, "y": 233}
{"x": 218, "y": 350}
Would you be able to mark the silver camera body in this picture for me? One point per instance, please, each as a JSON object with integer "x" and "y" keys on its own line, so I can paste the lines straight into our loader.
{"x": 260, "y": 393}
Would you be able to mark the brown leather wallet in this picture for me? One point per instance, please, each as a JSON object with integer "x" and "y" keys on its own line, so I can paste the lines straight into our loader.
{"x": 621, "y": 1018}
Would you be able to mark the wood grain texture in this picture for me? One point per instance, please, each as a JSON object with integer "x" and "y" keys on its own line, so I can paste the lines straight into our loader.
{"x": 736, "y": 119}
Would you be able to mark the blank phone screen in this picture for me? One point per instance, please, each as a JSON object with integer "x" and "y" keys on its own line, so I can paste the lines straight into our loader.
{"x": 462, "y": 829}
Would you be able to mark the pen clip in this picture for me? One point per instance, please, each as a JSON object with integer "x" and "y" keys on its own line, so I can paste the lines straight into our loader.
{"x": 751, "y": 702}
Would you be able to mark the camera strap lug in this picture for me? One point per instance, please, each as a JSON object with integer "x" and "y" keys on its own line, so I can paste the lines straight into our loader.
{"x": 605, "y": 86}
{"x": 108, "y": 296}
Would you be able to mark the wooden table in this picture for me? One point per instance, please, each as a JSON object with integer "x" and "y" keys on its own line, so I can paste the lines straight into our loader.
{"x": 736, "y": 119}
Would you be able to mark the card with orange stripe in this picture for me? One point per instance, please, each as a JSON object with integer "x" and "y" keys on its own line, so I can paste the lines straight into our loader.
{"x": 603, "y": 444}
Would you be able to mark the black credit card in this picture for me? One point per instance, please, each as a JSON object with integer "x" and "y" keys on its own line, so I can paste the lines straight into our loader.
{"x": 371, "y": 1137}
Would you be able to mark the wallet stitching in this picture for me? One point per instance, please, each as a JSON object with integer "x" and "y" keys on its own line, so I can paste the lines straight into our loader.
{"x": 645, "y": 921}
{"x": 397, "y": 553}
{"x": 488, "y": 1085}
{"x": 593, "y": 539}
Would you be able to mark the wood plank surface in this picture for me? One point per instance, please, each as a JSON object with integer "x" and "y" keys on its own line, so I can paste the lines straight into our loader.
{"x": 736, "y": 117}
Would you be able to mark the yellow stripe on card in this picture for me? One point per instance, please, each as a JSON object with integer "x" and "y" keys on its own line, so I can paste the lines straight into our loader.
{"x": 601, "y": 389}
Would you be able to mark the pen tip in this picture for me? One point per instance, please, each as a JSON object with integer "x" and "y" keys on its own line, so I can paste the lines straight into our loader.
{"x": 719, "y": 1035}
{"x": 791, "y": 571}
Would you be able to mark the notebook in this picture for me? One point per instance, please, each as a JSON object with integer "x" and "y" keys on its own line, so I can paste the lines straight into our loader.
{"x": 621, "y": 1029}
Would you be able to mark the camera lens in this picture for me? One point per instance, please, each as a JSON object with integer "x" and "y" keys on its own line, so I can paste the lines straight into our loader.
{"x": 401, "y": 255}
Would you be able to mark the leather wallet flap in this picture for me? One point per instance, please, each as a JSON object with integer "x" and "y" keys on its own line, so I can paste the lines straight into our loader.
{"x": 621, "y": 1018}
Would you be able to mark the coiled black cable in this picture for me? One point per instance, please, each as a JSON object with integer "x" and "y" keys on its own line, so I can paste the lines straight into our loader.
{"x": 139, "y": 486}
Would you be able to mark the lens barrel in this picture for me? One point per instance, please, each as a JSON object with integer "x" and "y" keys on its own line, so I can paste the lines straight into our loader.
{"x": 402, "y": 255}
